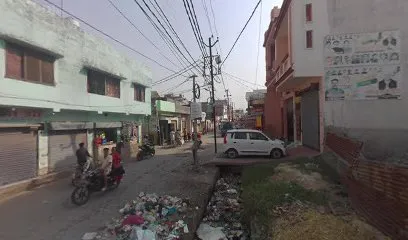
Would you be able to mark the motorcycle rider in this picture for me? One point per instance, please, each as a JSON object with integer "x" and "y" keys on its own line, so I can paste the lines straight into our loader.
{"x": 106, "y": 167}
{"x": 82, "y": 155}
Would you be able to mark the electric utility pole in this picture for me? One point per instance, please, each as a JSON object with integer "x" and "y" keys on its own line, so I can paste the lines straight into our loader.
{"x": 210, "y": 46}
{"x": 195, "y": 96}
{"x": 228, "y": 104}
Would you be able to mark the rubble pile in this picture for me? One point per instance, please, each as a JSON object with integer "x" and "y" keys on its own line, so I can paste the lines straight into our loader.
{"x": 223, "y": 216}
{"x": 149, "y": 217}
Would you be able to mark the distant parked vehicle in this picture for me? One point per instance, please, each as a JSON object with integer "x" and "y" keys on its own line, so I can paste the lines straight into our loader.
{"x": 240, "y": 142}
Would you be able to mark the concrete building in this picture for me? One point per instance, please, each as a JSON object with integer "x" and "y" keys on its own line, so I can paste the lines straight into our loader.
{"x": 60, "y": 86}
{"x": 367, "y": 115}
{"x": 171, "y": 112}
{"x": 365, "y": 118}
{"x": 255, "y": 110}
{"x": 294, "y": 71}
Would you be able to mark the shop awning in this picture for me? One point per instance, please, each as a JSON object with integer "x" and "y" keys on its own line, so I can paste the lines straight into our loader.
{"x": 108, "y": 124}
{"x": 70, "y": 125}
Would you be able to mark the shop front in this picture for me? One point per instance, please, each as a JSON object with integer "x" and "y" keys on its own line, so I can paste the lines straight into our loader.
{"x": 18, "y": 144}
{"x": 106, "y": 135}
{"x": 63, "y": 141}
{"x": 310, "y": 118}
{"x": 131, "y": 136}
{"x": 301, "y": 107}
{"x": 18, "y": 158}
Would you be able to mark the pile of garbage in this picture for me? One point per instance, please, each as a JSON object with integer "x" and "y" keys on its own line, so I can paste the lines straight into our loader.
{"x": 223, "y": 216}
{"x": 149, "y": 217}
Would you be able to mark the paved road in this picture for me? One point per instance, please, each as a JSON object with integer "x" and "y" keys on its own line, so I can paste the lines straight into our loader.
{"x": 46, "y": 213}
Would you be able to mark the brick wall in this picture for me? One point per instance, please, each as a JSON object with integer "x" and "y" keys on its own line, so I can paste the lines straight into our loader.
{"x": 378, "y": 191}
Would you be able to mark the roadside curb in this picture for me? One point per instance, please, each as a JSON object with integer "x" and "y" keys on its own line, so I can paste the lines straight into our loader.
{"x": 14, "y": 189}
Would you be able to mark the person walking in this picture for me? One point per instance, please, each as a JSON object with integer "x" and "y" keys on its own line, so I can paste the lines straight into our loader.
{"x": 172, "y": 137}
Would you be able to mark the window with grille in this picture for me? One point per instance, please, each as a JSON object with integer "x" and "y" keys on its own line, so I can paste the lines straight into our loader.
{"x": 29, "y": 65}
{"x": 308, "y": 12}
{"x": 309, "y": 39}
{"x": 103, "y": 84}
{"x": 140, "y": 93}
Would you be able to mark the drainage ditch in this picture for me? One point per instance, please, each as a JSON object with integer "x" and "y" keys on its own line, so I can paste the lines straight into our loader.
{"x": 223, "y": 218}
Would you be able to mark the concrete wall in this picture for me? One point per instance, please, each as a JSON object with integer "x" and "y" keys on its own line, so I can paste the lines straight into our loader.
{"x": 42, "y": 152}
{"x": 380, "y": 124}
{"x": 308, "y": 62}
{"x": 35, "y": 25}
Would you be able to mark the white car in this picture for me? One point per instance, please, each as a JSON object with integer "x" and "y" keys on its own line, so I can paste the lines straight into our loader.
{"x": 252, "y": 142}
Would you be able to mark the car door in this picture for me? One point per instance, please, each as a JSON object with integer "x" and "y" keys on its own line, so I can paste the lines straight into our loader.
{"x": 259, "y": 143}
{"x": 240, "y": 142}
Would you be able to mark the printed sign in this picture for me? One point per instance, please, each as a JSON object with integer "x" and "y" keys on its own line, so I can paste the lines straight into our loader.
{"x": 195, "y": 110}
{"x": 363, "y": 66}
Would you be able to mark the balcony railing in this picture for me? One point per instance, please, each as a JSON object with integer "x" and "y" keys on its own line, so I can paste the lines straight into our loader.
{"x": 282, "y": 69}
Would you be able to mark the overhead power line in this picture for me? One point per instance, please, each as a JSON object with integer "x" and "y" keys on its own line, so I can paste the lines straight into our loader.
{"x": 177, "y": 86}
{"x": 215, "y": 26}
{"x": 161, "y": 24}
{"x": 246, "y": 24}
{"x": 243, "y": 80}
{"x": 207, "y": 15}
{"x": 191, "y": 20}
{"x": 259, "y": 44}
{"x": 243, "y": 84}
{"x": 198, "y": 27}
{"x": 172, "y": 29}
{"x": 172, "y": 76}
{"x": 135, "y": 27}
{"x": 108, "y": 36}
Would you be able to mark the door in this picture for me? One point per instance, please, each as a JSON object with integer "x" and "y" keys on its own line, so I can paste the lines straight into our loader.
{"x": 290, "y": 120}
{"x": 62, "y": 148}
{"x": 240, "y": 142}
{"x": 18, "y": 158}
{"x": 310, "y": 119}
{"x": 259, "y": 144}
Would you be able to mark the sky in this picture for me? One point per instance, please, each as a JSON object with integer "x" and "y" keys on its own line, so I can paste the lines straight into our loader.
{"x": 229, "y": 17}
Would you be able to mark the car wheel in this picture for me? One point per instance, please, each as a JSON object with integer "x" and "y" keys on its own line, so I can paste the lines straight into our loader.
{"x": 276, "y": 153}
{"x": 232, "y": 153}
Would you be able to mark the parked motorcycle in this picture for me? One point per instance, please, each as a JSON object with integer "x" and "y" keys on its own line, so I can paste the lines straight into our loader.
{"x": 93, "y": 181}
{"x": 146, "y": 151}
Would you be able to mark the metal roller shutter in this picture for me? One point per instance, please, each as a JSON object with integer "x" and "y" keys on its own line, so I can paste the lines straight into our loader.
{"x": 310, "y": 119}
{"x": 62, "y": 148}
{"x": 18, "y": 158}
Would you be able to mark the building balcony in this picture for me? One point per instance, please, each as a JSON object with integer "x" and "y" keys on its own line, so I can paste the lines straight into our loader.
{"x": 282, "y": 70}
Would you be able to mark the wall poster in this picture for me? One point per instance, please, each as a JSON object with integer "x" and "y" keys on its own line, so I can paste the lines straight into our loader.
{"x": 363, "y": 66}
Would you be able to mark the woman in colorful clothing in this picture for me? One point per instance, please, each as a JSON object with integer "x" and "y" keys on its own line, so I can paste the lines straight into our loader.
{"x": 116, "y": 164}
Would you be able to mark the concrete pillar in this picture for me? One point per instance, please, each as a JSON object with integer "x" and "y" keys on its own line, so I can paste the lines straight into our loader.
{"x": 42, "y": 152}
{"x": 90, "y": 138}
{"x": 139, "y": 133}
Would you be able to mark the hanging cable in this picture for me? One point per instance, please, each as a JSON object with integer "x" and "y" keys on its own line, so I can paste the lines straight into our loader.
{"x": 246, "y": 24}
{"x": 193, "y": 27}
{"x": 172, "y": 76}
{"x": 259, "y": 44}
{"x": 241, "y": 79}
{"x": 172, "y": 29}
{"x": 198, "y": 27}
{"x": 135, "y": 27}
{"x": 160, "y": 23}
{"x": 108, "y": 36}
{"x": 207, "y": 15}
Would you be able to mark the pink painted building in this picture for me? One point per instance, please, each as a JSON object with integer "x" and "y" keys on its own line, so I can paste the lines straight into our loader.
{"x": 294, "y": 72}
